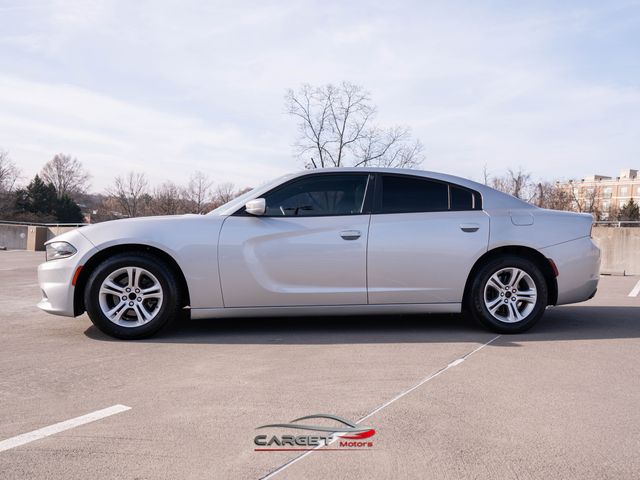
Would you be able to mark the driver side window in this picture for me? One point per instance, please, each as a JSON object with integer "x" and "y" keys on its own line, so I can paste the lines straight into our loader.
{"x": 318, "y": 195}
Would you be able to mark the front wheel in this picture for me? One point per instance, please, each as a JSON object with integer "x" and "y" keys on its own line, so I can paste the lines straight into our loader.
{"x": 508, "y": 294}
{"x": 132, "y": 296}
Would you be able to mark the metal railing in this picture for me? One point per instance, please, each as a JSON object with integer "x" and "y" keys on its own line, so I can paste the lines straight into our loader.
{"x": 37, "y": 224}
{"x": 618, "y": 223}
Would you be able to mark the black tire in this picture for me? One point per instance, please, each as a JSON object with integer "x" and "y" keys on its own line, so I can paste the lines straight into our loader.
{"x": 168, "y": 310}
{"x": 475, "y": 301}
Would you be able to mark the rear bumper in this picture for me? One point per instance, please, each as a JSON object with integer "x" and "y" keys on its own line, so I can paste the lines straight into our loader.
{"x": 578, "y": 263}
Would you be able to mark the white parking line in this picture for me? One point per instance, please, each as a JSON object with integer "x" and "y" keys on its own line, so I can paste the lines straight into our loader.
{"x": 14, "y": 442}
{"x": 636, "y": 290}
{"x": 455, "y": 363}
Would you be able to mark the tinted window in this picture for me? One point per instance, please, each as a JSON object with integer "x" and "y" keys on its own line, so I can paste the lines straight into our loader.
{"x": 461, "y": 199}
{"x": 318, "y": 195}
{"x": 410, "y": 194}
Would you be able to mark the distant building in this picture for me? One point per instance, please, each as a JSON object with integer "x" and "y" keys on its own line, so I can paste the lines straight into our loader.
{"x": 602, "y": 195}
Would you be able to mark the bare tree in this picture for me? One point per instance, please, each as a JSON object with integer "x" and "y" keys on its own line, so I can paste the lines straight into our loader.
{"x": 167, "y": 199}
{"x": 130, "y": 193}
{"x": 516, "y": 183}
{"x": 225, "y": 192}
{"x": 67, "y": 175}
{"x": 586, "y": 199}
{"x": 9, "y": 173}
{"x": 552, "y": 195}
{"x": 198, "y": 192}
{"x": 500, "y": 183}
{"x": 387, "y": 148}
{"x": 335, "y": 127}
{"x": 485, "y": 174}
{"x": 612, "y": 213}
{"x": 520, "y": 181}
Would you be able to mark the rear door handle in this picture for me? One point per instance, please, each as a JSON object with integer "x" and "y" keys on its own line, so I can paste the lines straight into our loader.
{"x": 469, "y": 227}
{"x": 350, "y": 234}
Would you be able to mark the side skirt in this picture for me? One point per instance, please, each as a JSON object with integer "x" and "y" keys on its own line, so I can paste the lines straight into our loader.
{"x": 320, "y": 310}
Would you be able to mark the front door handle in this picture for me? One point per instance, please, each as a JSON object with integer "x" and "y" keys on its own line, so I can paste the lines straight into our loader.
{"x": 350, "y": 234}
{"x": 469, "y": 227}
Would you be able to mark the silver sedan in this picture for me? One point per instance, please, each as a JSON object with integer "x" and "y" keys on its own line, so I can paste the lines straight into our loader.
{"x": 328, "y": 242}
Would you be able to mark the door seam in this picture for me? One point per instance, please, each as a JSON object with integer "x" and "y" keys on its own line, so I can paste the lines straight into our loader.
{"x": 366, "y": 260}
{"x": 224, "y": 305}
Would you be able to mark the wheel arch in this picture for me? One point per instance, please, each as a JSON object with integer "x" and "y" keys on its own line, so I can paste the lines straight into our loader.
{"x": 546, "y": 266}
{"x": 101, "y": 255}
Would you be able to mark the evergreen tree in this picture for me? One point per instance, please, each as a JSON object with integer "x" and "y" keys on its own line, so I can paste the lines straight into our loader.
{"x": 629, "y": 211}
{"x": 68, "y": 211}
{"x": 38, "y": 198}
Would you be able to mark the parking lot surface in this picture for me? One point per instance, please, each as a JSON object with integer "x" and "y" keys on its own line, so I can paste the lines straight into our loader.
{"x": 447, "y": 399}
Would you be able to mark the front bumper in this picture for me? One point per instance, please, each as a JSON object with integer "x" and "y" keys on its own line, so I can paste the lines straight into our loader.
{"x": 55, "y": 278}
{"x": 578, "y": 263}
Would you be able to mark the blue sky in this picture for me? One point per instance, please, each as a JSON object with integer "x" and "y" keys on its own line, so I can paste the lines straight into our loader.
{"x": 171, "y": 87}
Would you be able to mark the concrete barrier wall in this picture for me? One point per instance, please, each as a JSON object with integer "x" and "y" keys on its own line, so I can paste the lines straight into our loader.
{"x": 13, "y": 237}
{"x": 620, "y": 248}
{"x": 16, "y": 237}
{"x": 55, "y": 231}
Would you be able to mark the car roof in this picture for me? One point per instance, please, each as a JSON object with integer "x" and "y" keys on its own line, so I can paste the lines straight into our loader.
{"x": 399, "y": 171}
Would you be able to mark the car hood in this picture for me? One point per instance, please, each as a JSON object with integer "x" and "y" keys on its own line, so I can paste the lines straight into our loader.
{"x": 167, "y": 232}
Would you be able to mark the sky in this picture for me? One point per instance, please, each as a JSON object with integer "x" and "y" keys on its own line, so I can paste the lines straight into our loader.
{"x": 170, "y": 87}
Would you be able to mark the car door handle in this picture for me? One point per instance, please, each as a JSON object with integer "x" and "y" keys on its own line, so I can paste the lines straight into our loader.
{"x": 469, "y": 227}
{"x": 350, "y": 234}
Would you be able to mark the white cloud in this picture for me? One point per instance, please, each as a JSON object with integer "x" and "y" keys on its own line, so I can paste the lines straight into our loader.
{"x": 112, "y": 137}
{"x": 168, "y": 87}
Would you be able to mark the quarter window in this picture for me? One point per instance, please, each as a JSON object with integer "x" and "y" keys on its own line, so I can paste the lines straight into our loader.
{"x": 318, "y": 195}
{"x": 461, "y": 199}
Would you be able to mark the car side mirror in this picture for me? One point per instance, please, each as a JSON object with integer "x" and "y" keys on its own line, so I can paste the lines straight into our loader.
{"x": 257, "y": 206}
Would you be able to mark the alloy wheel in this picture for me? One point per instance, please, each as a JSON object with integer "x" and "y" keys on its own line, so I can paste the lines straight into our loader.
{"x": 130, "y": 296}
{"x": 510, "y": 295}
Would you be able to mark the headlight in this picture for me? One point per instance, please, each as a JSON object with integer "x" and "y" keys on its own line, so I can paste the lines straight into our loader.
{"x": 56, "y": 250}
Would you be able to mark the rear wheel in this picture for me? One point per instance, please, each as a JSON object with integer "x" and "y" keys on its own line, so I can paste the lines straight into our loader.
{"x": 132, "y": 296}
{"x": 508, "y": 294}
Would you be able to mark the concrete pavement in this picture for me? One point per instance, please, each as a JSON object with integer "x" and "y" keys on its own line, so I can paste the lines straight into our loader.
{"x": 560, "y": 401}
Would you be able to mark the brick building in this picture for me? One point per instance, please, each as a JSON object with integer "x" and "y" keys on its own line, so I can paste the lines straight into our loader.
{"x": 603, "y": 195}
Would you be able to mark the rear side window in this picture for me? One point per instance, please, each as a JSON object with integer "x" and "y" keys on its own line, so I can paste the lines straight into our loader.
{"x": 407, "y": 194}
{"x": 411, "y": 194}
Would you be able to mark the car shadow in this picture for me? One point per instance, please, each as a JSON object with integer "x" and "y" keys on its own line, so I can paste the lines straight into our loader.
{"x": 558, "y": 324}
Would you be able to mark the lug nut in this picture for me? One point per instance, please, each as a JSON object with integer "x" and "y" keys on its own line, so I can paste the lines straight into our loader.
{"x": 139, "y": 299}
{"x": 128, "y": 290}
{"x": 137, "y": 290}
{"x": 131, "y": 304}
{"x": 124, "y": 297}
